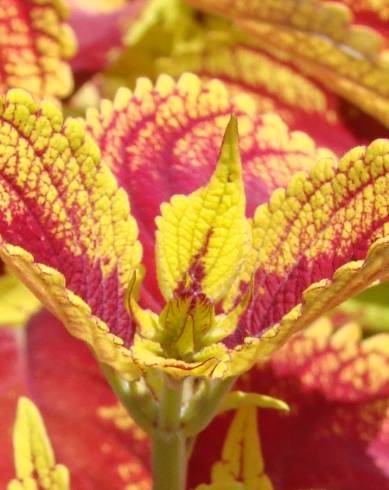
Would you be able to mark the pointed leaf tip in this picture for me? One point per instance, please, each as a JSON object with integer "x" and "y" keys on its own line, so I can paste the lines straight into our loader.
{"x": 229, "y": 152}
{"x": 232, "y": 124}
{"x": 211, "y": 228}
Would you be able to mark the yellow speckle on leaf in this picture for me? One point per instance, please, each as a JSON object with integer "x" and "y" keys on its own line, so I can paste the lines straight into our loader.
{"x": 35, "y": 43}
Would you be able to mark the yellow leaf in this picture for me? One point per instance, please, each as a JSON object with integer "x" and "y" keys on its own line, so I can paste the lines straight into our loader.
{"x": 203, "y": 238}
{"x": 34, "y": 458}
{"x": 241, "y": 465}
{"x": 66, "y": 227}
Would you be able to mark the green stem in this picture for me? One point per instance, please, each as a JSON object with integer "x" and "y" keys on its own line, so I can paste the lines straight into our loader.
{"x": 170, "y": 404}
{"x": 169, "y": 461}
{"x": 168, "y": 441}
{"x": 204, "y": 408}
{"x": 140, "y": 406}
{"x": 171, "y": 427}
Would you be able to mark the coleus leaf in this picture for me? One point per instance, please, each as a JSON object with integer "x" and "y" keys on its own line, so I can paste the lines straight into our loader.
{"x": 53, "y": 186}
{"x": 46, "y": 364}
{"x": 202, "y": 238}
{"x": 34, "y": 458}
{"x": 241, "y": 465}
{"x": 318, "y": 37}
{"x": 224, "y": 53}
{"x": 315, "y": 228}
{"x": 35, "y": 43}
{"x": 337, "y": 387}
{"x": 234, "y": 65}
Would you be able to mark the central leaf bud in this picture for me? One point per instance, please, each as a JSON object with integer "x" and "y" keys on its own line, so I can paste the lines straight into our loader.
{"x": 185, "y": 322}
{"x": 203, "y": 241}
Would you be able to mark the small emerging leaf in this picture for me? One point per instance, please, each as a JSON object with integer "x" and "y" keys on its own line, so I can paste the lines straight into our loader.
{"x": 183, "y": 324}
{"x": 203, "y": 238}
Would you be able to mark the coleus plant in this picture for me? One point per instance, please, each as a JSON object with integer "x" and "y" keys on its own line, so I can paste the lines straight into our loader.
{"x": 254, "y": 239}
{"x": 187, "y": 339}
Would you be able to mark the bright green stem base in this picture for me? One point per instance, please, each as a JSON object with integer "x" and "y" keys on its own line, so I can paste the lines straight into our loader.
{"x": 169, "y": 461}
{"x": 168, "y": 441}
